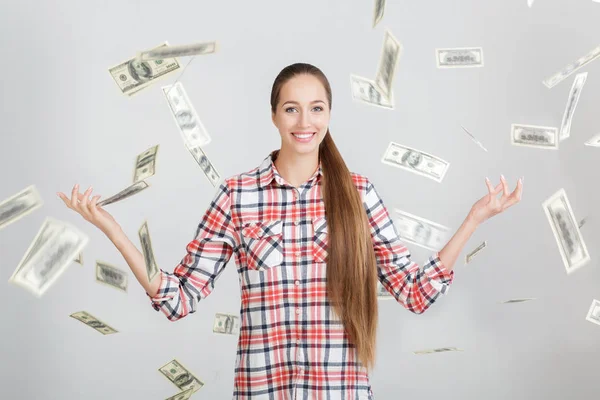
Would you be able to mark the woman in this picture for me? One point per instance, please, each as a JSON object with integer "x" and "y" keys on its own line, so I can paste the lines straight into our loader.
{"x": 311, "y": 240}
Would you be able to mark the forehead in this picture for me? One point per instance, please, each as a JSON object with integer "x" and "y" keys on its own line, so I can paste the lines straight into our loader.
{"x": 303, "y": 88}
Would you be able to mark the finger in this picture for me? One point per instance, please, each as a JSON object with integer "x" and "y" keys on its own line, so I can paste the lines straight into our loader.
{"x": 64, "y": 198}
{"x": 515, "y": 196}
{"x": 489, "y": 185}
{"x": 92, "y": 206}
{"x": 84, "y": 202}
{"x": 505, "y": 191}
{"x": 74, "y": 193}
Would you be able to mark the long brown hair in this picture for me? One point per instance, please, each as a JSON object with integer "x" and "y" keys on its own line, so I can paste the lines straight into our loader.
{"x": 351, "y": 263}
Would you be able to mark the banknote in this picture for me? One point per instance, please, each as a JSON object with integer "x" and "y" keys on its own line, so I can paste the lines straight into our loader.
{"x": 93, "y": 322}
{"x": 151, "y": 267}
{"x": 438, "y": 350}
{"x": 111, "y": 276}
{"x": 594, "y": 141}
{"x": 145, "y": 164}
{"x": 386, "y": 70}
{"x": 565, "y": 126}
{"x": 53, "y": 249}
{"x": 190, "y": 126}
{"x": 477, "y": 142}
{"x": 420, "y": 231}
{"x": 571, "y": 68}
{"x": 185, "y": 50}
{"x": 459, "y": 57}
{"x": 79, "y": 258}
{"x": 571, "y": 246}
{"x": 180, "y": 376}
{"x": 228, "y": 324}
{"x": 129, "y": 191}
{"x": 415, "y": 161}
{"x": 19, "y": 205}
{"x": 185, "y": 395}
{"x": 205, "y": 164}
{"x": 133, "y": 75}
{"x": 593, "y": 314}
{"x": 366, "y": 91}
{"x": 475, "y": 251}
{"x": 378, "y": 12}
{"x": 517, "y": 300}
{"x": 541, "y": 137}
{"x": 382, "y": 293}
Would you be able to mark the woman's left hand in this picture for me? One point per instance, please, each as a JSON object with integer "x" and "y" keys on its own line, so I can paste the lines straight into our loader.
{"x": 490, "y": 205}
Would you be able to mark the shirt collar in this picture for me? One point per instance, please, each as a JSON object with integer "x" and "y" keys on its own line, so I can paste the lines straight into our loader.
{"x": 267, "y": 171}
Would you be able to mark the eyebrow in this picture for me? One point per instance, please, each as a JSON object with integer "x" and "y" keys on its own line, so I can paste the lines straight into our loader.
{"x": 295, "y": 102}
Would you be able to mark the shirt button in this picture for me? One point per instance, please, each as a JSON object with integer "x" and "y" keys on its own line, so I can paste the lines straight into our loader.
{"x": 297, "y": 283}
{"x": 298, "y": 311}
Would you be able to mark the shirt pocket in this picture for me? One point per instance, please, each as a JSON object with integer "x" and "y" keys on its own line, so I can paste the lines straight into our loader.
{"x": 263, "y": 244}
{"x": 320, "y": 239}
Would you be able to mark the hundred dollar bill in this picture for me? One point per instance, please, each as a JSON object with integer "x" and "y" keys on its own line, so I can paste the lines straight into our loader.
{"x": 386, "y": 70}
{"x": 460, "y": 57}
{"x": 571, "y": 68}
{"x": 565, "y": 126}
{"x": 227, "y": 324}
{"x": 205, "y": 164}
{"x": 151, "y": 267}
{"x": 415, "y": 161}
{"x": 79, "y": 259}
{"x": 378, "y": 12}
{"x": 476, "y": 251}
{"x": 571, "y": 246}
{"x": 47, "y": 258}
{"x": 477, "y": 142}
{"x": 145, "y": 164}
{"x": 517, "y": 300}
{"x": 190, "y": 126}
{"x": 93, "y": 322}
{"x": 420, "y": 231}
{"x": 382, "y": 293}
{"x": 185, "y": 395}
{"x": 594, "y": 141}
{"x": 19, "y": 205}
{"x": 193, "y": 49}
{"x": 541, "y": 137}
{"x": 133, "y": 75}
{"x": 180, "y": 376}
{"x": 438, "y": 350}
{"x": 593, "y": 314}
{"x": 111, "y": 276}
{"x": 365, "y": 91}
{"x": 125, "y": 193}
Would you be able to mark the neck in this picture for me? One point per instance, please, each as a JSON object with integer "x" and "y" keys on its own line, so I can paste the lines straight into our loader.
{"x": 296, "y": 168}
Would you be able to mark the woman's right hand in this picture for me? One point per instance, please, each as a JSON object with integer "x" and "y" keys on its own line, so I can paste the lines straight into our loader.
{"x": 88, "y": 209}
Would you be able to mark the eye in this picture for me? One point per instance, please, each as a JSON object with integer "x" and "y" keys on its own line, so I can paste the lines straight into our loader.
{"x": 319, "y": 108}
{"x": 289, "y": 108}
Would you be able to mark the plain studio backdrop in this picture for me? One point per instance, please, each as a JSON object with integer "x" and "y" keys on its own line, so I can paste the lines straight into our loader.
{"x": 65, "y": 121}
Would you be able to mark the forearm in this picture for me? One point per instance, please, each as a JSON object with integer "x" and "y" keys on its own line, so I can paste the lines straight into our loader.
{"x": 455, "y": 245}
{"x": 135, "y": 260}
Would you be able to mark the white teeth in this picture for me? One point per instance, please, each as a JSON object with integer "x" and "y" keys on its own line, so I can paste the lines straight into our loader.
{"x": 306, "y": 136}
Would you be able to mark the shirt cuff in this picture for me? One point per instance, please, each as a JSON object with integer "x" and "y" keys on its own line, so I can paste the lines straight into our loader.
{"x": 166, "y": 281}
{"x": 439, "y": 276}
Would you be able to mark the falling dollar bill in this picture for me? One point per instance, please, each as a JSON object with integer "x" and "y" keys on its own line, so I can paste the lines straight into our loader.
{"x": 571, "y": 246}
{"x": 228, "y": 324}
{"x": 460, "y": 57}
{"x": 438, "y": 350}
{"x": 477, "y": 142}
{"x": 593, "y": 314}
{"x": 93, "y": 322}
{"x": 133, "y": 75}
{"x": 571, "y": 68}
{"x": 180, "y": 376}
{"x": 511, "y": 301}
{"x": 185, "y": 395}
{"x": 415, "y": 161}
{"x": 111, "y": 276}
{"x": 79, "y": 258}
{"x": 53, "y": 249}
{"x": 565, "y": 126}
{"x": 365, "y": 91}
{"x": 378, "y": 11}
{"x": 205, "y": 164}
{"x": 382, "y": 292}
{"x": 594, "y": 141}
{"x": 145, "y": 164}
{"x": 151, "y": 267}
{"x": 19, "y": 205}
{"x": 420, "y": 231}
{"x": 541, "y": 137}
{"x": 386, "y": 70}
{"x": 475, "y": 251}
{"x": 190, "y": 126}
{"x": 125, "y": 193}
{"x": 185, "y": 50}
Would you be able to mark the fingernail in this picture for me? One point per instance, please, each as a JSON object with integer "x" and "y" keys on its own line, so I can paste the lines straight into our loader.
{"x": 90, "y": 188}
{"x": 502, "y": 176}
{"x": 77, "y": 186}
{"x": 487, "y": 179}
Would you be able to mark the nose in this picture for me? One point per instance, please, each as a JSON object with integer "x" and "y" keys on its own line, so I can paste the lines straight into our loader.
{"x": 304, "y": 120}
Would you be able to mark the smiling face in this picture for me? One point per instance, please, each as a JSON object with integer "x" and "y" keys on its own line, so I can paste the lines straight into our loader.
{"x": 302, "y": 109}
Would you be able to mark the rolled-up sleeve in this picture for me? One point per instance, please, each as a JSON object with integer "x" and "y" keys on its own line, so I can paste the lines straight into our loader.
{"x": 193, "y": 278}
{"x": 413, "y": 286}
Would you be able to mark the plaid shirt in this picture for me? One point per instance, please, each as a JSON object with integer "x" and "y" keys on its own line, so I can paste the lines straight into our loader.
{"x": 291, "y": 343}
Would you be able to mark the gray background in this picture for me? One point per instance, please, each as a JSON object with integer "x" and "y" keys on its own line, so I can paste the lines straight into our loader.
{"x": 64, "y": 121}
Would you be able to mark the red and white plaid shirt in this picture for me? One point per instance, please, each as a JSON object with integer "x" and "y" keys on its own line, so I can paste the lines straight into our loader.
{"x": 291, "y": 344}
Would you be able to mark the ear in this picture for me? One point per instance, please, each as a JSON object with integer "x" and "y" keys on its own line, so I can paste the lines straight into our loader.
{"x": 273, "y": 118}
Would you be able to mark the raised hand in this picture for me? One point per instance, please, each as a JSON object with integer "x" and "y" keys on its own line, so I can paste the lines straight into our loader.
{"x": 490, "y": 204}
